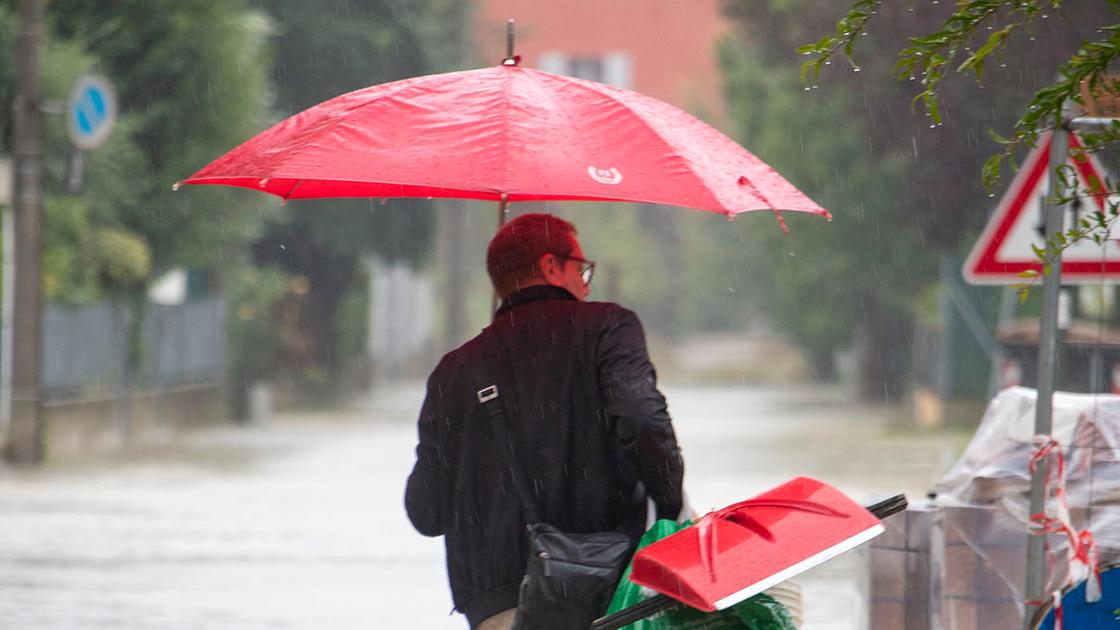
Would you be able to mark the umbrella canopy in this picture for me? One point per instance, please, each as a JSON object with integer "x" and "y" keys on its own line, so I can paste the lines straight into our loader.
{"x": 505, "y": 133}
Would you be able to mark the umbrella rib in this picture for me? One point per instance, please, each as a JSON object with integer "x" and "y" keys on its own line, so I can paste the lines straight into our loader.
{"x": 386, "y": 91}
{"x": 390, "y": 91}
{"x": 288, "y": 195}
{"x": 597, "y": 88}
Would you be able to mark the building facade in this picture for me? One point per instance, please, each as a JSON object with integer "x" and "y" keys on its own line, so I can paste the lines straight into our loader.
{"x": 663, "y": 48}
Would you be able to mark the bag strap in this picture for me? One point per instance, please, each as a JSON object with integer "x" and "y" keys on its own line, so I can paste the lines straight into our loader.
{"x": 491, "y": 402}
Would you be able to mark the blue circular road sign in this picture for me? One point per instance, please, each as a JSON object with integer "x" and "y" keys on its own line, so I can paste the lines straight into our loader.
{"x": 91, "y": 111}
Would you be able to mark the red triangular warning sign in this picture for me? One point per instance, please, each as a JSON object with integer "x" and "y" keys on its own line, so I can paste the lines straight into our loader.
{"x": 1004, "y": 249}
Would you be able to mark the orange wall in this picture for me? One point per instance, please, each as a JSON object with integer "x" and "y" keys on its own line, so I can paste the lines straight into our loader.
{"x": 671, "y": 42}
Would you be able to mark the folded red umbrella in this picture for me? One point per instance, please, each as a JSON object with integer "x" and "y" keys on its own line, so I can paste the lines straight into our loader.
{"x": 747, "y": 547}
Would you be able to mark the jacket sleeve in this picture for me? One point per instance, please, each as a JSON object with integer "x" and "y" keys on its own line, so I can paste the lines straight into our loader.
{"x": 628, "y": 385}
{"x": 423, "y": 496}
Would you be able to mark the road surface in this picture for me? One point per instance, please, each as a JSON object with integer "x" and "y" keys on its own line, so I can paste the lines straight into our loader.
{"x": 298, "y": 523}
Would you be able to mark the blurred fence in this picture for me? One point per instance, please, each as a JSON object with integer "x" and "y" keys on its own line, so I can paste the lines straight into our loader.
{"x": 401, "y": 321}
{"x": 85, "y": 348}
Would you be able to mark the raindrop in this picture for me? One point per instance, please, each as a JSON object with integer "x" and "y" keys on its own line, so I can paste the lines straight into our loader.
{"x": 1045, "y": 15}
{"x": 934, "y": 126}
{"x": 856, "y": 68}
{"x": 176, "y": 186}
{"x": 807, "y": 88}
{"x": 828, "y": 63}
{"x": 283, "y": 246}
{"x": 991, "y": 194}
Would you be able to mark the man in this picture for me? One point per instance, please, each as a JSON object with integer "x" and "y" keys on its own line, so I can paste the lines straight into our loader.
{"x": 590, "y": 430}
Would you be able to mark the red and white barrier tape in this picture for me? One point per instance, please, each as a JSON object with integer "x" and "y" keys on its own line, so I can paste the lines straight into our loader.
{"x": 1083, "y": 556}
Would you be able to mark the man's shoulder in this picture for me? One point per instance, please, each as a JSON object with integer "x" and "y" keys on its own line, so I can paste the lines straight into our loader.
{"x": 463, "y": 355}
{"x": 611, "y": 312}
{"x": 599, "y": 314}
{"x": 600, "y": 309}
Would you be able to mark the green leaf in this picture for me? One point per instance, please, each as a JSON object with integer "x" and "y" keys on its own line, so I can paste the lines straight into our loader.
{"x": 991, "y": 170}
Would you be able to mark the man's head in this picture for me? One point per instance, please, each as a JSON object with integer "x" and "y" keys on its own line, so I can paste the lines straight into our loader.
{"x": 536, "y": 249}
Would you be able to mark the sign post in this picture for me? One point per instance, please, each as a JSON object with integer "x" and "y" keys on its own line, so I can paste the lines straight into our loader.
{"x": 26, "y": 431}
{"x": 7, "y": 274}
{"x": 1053, "y": 217}
{"x": 90, "y": 114}
{"x": 1027, "y": 217}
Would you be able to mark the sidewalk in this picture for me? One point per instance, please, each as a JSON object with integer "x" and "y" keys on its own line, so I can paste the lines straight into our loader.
{"x": 299, "y": 524}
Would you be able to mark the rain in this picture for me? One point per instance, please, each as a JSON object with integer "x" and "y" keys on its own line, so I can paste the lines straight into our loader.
{"x": 242, "y": 242}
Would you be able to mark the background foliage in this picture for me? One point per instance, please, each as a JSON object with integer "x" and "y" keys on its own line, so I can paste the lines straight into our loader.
{"x": 905, "y": 189}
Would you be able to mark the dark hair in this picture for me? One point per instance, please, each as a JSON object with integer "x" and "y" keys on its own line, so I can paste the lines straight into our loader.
{"x": 511, "y": 258}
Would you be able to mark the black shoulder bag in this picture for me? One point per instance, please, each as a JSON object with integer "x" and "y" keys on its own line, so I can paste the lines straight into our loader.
{"x": 569, "y": 578}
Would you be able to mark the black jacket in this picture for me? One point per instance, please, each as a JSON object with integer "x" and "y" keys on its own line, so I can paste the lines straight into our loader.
{"x": 591, "y": 433}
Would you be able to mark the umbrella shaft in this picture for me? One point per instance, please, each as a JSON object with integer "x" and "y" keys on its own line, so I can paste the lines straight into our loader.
{"x": 503, "y": 209}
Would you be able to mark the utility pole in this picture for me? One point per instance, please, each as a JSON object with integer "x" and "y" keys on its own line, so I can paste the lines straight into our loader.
{"x": 25, "y": 438}
{"x": 1054, "y": 216}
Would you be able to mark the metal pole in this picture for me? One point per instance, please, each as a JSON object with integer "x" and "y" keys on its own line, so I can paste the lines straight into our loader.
{"x": 25, "y": 444}
{"x": 503, "y": 210}
{"x": 8, "y": 265}
{"x": 1047, "y": 358}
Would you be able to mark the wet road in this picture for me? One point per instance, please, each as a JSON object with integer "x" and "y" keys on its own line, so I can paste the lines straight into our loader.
{"x": 298, "y": 523}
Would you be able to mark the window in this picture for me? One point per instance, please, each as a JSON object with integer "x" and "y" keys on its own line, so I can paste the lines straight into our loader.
{"x": 612, "y": 68}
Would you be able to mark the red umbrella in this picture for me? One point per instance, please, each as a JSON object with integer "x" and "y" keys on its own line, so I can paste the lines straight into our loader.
{"x": 505, "y": 133}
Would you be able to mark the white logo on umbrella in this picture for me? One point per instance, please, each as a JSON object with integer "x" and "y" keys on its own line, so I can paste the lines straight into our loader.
{"x": 609, "y": 176}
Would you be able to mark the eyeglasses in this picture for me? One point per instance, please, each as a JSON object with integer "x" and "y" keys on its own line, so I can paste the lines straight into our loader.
{"x": 586, "y": 267}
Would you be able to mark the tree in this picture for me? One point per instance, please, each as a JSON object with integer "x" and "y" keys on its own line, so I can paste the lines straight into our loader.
{"x": 919, "y": 188}
{"x": 321, "y": 52}
{"x": 82, "y": 258}
{"x": 826, "y": 280}
{"x": 191, "y": 81}
{"x": 974, "y": 37}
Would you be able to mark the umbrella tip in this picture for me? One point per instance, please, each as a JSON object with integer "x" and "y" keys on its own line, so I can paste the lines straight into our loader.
{"x": 511, "y": 59}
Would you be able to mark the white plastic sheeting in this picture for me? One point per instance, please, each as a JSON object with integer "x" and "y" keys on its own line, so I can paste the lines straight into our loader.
{"x": 985, "y": 498}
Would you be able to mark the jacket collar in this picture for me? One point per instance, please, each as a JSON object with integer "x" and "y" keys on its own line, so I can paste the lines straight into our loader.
{"x": 533, "y": 293}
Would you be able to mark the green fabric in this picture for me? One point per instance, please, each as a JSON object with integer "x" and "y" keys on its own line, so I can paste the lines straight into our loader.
{"x": 760, "y": 612}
